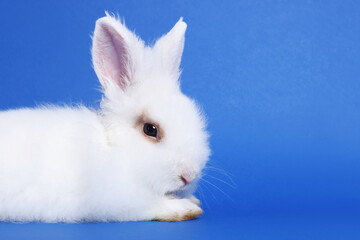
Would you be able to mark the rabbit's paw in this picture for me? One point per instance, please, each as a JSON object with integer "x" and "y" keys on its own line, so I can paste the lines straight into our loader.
{"x": 175, "y": 210}
{"x": 194, "y": 200}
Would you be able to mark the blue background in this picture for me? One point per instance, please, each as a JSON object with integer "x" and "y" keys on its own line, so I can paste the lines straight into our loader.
{"x": 279, "y": 81}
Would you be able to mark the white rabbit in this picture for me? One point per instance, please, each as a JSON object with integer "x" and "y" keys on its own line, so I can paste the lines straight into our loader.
{"x": 138, "y": 157}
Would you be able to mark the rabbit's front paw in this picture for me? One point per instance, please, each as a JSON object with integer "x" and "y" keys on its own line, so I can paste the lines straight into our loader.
{"x": 175, "y": 210}
{"x": 194, "y": 200}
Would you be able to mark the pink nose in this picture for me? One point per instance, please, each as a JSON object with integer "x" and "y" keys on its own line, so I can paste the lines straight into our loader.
{"x": 187, "y": 177}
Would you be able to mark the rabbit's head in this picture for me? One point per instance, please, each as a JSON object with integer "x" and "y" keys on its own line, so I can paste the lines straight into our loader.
{"x": 157, "y": 130}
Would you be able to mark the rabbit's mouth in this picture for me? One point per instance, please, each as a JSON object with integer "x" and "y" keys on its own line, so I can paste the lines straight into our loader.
{"x": 181, "y": 193}
{"x": 176, "y": 191}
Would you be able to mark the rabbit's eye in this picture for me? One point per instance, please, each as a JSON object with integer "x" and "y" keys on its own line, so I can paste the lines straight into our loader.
{"x": 150, "y": 130}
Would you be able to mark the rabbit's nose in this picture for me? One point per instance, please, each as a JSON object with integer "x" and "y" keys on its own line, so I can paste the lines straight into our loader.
{"x": 187, "y": 177}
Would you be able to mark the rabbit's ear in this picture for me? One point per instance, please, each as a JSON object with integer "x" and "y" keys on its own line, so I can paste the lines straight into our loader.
{"x": 171, "y": 46}
{"x": 111, "y": 52}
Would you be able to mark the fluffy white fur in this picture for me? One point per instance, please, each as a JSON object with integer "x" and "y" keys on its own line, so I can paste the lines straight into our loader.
{"x": 77, "y": 164}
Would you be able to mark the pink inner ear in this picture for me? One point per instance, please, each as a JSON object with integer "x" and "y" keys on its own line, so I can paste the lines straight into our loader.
{"x": 111, "y": 56}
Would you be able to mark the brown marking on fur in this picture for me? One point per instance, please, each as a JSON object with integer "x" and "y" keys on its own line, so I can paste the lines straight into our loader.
{"x": 192, "y": 215}
{"x": 175, "y": 217}
{"x": 139, "y": 124}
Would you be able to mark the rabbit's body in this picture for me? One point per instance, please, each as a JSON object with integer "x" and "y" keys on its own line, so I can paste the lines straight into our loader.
{"x": 53, "y": 168}
{"x": 130, "y": 160}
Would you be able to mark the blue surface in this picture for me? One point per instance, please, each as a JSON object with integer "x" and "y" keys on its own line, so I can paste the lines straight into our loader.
{"x": 279, "y": 81}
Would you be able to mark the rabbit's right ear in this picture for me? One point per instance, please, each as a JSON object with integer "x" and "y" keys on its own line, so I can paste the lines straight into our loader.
{"x": 112, "y": 52}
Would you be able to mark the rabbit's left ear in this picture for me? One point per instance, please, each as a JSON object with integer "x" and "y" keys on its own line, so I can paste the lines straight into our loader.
{"x": 171, "y": 46}
{"x": 113, "y": 52}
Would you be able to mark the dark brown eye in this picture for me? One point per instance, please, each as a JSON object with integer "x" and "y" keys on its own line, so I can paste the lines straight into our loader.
{"x": 150, "y": 130}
